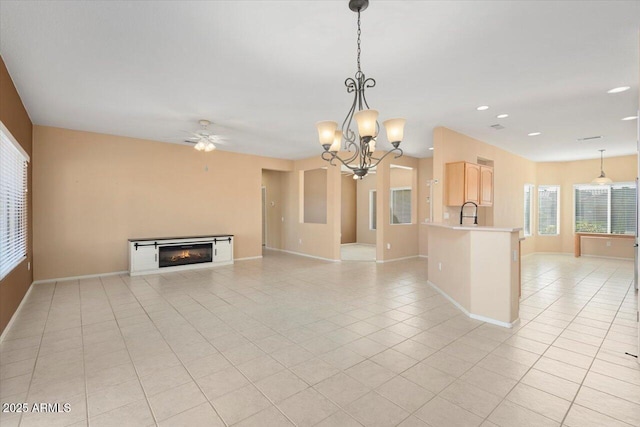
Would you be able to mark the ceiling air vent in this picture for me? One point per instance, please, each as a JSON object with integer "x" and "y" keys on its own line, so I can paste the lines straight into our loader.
{"x": 497, "y": 126}
{"x": 589, "y": 138}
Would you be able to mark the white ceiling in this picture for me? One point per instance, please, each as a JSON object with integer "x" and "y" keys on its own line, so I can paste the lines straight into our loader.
{"x": 265, "y": 71}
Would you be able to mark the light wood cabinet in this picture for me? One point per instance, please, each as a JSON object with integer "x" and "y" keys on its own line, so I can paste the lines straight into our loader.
{"x": 486, "y": 185}
{"x": 468, "y": 182}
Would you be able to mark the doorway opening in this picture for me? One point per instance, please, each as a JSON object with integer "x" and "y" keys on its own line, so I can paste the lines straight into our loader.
{"x": 359, "y": 222}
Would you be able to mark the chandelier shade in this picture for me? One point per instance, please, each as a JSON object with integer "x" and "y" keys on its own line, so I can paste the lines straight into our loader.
{"x": 361, "y": 141}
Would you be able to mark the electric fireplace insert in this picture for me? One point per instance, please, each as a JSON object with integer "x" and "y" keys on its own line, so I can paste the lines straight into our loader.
{"x": 171, "y": 256}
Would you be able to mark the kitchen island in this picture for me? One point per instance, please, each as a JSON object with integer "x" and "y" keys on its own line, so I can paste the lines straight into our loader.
{"x": 478, "y": 269}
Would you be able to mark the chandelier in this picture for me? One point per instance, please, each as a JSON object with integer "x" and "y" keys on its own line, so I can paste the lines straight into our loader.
{"x": 362, "y": 144}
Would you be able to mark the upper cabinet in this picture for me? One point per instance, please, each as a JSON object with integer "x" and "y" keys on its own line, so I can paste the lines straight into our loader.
{"x": 468, "y": 182}
{"x": 486, "y": 185}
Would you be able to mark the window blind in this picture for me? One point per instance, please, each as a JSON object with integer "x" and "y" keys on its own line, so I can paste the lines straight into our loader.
{"x": 548, "y": 208}
{"x": 605, "y": 208}
{"x": 13, "y": 204}
{"x": 400, "y": 206}
{"x": 623, "y": 208}
{"x": 528, "y": 199}
{"x": 592, "y": 208}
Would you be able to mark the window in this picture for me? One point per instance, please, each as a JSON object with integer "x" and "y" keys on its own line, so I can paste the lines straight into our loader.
{"x": 13, "y": 202}
{"x": 401, "y": 206}
{"x": 528, "y": 211}
{"x": 605, "y": 208}
{"x": 373, "y": 210}
{"x": 548, "y": 210}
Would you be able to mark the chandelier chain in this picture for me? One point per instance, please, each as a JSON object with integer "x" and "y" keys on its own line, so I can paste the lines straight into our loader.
{"x": 359, "y": 50}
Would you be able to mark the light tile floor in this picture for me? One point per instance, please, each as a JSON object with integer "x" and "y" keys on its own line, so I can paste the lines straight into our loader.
{"x": 357, "y": 252}
{"x": 288, "y": 340}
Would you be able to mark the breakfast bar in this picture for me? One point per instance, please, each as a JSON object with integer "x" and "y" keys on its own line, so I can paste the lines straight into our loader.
{"x": 477, "y": 268}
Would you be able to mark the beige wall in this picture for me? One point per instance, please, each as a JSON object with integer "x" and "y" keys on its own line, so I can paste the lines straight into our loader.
{"x": 395, "y": 241}
{"x": 425, "y": 175}
{"x": 349, "y": 208}
{"x": 315, "y": 196}
{"x": 511, "y": 172}
{"x": 14, "y": 116}
{"x": 319, "y": 240}
{"x": 92, "y": 192}
{"x": 567, "y": 174}
{"x": 274, "y": 182}
{"x": 365, "y": 185}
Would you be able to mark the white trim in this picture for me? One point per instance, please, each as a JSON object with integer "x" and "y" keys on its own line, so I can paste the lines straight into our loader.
{"x": 249, "y": 257}
{"x": 86, "y": 276}
{"x": 306, "y": 255}
{"x": 471, "y": 315}
{"x": 14, "y": 142}
{"x": 15, "y": 314}
{"x": 423, "y": 256}
{"x": 396, "y": 259}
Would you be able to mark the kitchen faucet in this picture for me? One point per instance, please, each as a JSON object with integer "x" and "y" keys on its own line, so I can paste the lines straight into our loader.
{"x": 474, "y": 216}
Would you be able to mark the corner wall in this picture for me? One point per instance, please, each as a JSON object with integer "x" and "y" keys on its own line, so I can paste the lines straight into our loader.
{"x": 15, "y": 117}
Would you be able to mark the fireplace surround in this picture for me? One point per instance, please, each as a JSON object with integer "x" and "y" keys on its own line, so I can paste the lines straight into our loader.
{"x": 159, "y": 255}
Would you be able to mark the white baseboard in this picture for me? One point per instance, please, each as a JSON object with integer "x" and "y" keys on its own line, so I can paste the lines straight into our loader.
{"x": 305, "y": 255}
{"x": 471, "y": 315}
{"x": 397, "y": 259}
{"x": 87, "y": 276}
{"x": 15, "y": 314}
{"x": 423, "y": 256}
{"x": 249, "y": 257}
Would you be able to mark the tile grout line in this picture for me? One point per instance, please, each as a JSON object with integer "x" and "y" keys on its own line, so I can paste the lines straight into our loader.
{"x": 108, "y": 299}
{"x": 35, "y": 362}
{"x": 593, "y": 360}
{"x": 551, "y": 344}
{"x": 219, "y": 352}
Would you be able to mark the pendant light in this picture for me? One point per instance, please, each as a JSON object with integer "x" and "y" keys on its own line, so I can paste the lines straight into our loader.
{"x": 602, "y": 179}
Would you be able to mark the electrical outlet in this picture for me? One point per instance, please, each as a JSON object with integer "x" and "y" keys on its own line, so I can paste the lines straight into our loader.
{"x": 29, "y": 265}
{"x": 515, "y": 256}
{"x": 282, "y": 219}
{"x": 439, "y": 266}
{"x": 388, "y": 245}
{"x": 446, "y": 215}
{"x": 300, "y": 241}
{"x": 608, "y": 243}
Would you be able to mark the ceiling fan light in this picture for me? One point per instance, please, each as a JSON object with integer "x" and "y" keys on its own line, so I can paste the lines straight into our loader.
{"x": 199, "y": 146}
{"x": 209, "y": 147}
{"x": 366, "y": 120}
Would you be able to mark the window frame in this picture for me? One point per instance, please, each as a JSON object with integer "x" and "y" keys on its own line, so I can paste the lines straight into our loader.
{"x": 19, "y": 245}
{"x": 558, "y": 189}
{"x": 610, "y": 188}
{"x": 373, "y": 210}
{"x": 531, "y": 188}
{"x": 391, "y": 191}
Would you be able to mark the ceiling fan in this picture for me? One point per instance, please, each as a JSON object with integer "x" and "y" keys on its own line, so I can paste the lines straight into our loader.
{"x": 204, "y": 139}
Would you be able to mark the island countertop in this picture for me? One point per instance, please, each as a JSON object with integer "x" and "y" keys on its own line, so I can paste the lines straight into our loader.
{"x": 473, "y": 227}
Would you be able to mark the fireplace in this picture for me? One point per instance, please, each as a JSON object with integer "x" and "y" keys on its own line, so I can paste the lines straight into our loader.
{"x": 171, "y": 256}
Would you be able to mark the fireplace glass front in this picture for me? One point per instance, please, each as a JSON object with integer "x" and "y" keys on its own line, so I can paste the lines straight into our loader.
{"x": 171, "y": 256}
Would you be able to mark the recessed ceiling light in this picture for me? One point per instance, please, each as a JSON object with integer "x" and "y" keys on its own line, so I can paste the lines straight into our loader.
{"x": 502, "y": 116}
{"x": 534, "y": 133}
{"x": 482, "y": 108}
{"x": 630, "y": 118}
{"x": 431, "y": 148}
{"x": 618, "y": 89}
